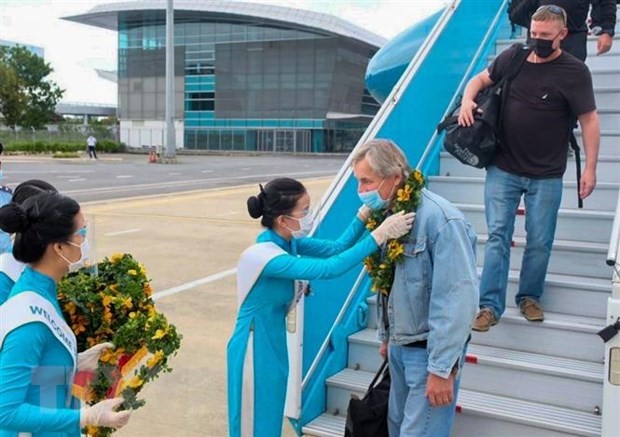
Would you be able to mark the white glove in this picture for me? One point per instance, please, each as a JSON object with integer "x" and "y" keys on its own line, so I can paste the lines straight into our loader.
{"x": 89, "y": 359}
{"x": 364, "y": 213}
{"x": 104, "y": 414}
{"x": 394, "y": 226}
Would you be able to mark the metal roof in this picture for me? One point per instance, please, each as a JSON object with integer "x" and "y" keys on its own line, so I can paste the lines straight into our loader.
{"x": 106, "y": 16}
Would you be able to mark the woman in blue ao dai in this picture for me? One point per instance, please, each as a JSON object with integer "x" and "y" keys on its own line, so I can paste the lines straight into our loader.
{"x": 38, "y": 355}
{"x": 257, "y": 351}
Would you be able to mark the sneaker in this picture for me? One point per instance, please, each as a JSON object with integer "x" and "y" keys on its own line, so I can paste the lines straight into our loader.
{"x": 531, "y": 310}
{"x": 484, "y": 320}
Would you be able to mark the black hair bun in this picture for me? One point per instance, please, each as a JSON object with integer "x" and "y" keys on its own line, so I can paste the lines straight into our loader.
{"x": 256, "y": 206}
{"x": 13, "y": 218}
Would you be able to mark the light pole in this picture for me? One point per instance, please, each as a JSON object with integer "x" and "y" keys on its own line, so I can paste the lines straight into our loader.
{"x": 170, "y": 150}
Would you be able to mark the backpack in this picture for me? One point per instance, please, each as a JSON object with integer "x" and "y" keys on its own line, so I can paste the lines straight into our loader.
{"x": 475, "y": 145}
{"x": 520, "y": 12}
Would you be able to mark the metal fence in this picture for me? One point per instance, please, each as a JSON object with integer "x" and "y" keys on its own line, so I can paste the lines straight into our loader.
{"x": 61, "y": 134}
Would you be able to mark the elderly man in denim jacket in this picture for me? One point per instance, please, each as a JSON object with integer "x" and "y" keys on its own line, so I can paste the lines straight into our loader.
{"x": 426, "y": 320}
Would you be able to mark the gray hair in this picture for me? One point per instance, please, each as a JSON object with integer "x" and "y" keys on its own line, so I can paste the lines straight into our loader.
{"x": 384, "y": 157}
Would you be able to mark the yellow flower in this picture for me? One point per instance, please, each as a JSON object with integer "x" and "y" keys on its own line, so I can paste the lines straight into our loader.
{"x": 108, "y": 356}
{"x": 142, "y": 269}
{"x": 132, "y": 315}
{"x": 116, "y": 258}
{"x": 368, "y": 264}
{"x": 148, "y": 290}
{"x": 134, "y": 382}
{"x": 70, "y": 308}
{"x": 395, "y": 249}
{"x": 127, "y": 303}
{"x": 92, "y": 431}
{"x": 106, "y": 300}
{"x": 155, "y": 359}
{"x": 417, "y": 175}
{"x": 107, "y": 316}
{"x": 132, "y": 272}
{"x": 78, "y": 328}
{"x": 382, "y": 266}
{"x": 114, "y": 288}
{"x": 371, "y": 224}
{"x": 404, "y": 194}
{"x": 160, "y": 333}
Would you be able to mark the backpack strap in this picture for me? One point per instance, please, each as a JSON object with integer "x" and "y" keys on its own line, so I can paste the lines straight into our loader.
{"x": 575, "y": 146}
{"x": 516, "y": 62}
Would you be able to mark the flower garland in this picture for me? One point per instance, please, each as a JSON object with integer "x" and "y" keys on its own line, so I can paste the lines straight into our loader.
{"x": 382, "y": 264}
{"x": 116, "y": 305}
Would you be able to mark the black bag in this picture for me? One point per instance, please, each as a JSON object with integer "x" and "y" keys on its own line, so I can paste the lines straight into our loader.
{"x": 475, "y": 145}
{"x": 520, "y": 12}
{"x": 367, "y": 417}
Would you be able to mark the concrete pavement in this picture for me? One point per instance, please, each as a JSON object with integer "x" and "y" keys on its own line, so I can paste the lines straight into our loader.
{"x": 188, "y": 243}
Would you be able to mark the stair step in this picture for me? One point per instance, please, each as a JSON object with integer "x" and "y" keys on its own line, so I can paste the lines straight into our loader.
{"x": 514, "y": 417}
{"x": 564, "y": 294}
{"x": 577, "y": 225}
{"x": 488, "y": 369}
{"x": 471, "y": 190}
{"x": 610, "y": 142}
{"x": 561, "y": 335}
{"x": 528, "y": 413}
{"x": 609, "y": 116}
{"x": 607, "y": 97}
{"x": 608, "y": 168}
{"x": 364, "y": 351}
{"x": 579, "y": 258}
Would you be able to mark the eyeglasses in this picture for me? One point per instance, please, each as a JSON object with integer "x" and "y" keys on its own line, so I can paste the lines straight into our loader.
{"x": 554, "y": 9}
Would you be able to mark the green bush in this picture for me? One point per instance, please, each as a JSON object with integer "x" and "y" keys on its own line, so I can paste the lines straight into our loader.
{"x": 107, "y": 146}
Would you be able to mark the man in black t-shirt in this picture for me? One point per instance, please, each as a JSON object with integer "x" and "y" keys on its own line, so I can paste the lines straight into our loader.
{"x": 551, "y": 86}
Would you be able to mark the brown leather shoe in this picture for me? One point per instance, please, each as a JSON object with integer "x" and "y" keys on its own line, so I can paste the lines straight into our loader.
{"x": 531, "y": 310}
{"x": 484, "y": 320}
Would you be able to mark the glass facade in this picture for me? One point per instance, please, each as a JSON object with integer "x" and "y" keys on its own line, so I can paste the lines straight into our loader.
{"x": 246, "y": 85}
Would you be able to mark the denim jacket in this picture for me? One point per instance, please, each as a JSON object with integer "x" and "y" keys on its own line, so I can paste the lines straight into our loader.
{"x": 434, "y": 296}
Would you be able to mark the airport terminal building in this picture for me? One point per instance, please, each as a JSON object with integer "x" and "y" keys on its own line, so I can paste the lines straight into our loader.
{"x": 247, "y": 76}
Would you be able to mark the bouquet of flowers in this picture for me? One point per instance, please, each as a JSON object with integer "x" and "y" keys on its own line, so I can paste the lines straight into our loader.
{"x": 116, "y": 306}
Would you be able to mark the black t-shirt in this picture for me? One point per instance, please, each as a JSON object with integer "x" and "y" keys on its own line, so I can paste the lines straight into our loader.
{"x": 539, "y": 114}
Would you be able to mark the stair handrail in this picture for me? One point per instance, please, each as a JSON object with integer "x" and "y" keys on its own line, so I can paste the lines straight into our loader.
{"x": 466, "y": 77}
{"x": 345, "y": 172}
{"x": 614, "y": 241}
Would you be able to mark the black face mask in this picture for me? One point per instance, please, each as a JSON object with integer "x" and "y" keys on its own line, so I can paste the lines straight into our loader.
{"x": 542, "y": 47}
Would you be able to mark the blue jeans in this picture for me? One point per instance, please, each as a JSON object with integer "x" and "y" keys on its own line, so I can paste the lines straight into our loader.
{"x": 409, "y": 412}
{"x": 502, "y": 193}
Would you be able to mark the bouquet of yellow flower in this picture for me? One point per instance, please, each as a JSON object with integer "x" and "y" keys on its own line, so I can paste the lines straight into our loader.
{"x": 116, "y": 306}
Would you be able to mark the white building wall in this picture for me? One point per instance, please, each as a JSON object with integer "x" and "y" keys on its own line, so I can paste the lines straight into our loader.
{"x": 149, "y": 133}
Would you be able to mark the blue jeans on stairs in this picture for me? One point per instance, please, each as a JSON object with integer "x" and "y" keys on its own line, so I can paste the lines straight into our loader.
{"x": 502, "y": 194}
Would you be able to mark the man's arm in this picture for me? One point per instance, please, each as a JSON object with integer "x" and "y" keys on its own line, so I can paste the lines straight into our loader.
{"x": 452, "y": 307}
{"x": 604, "y": 17}
{"x": 590, "y": 127}
{"x": 479, "y": 82}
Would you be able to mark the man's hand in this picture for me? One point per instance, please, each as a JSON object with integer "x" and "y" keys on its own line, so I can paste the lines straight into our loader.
{"x": 603, "y": 43}
{"x": 466, "y": 114}
{"x": 588, "y": 182}
{"x": 383, "y": 350}
{"x": 439, "y": 391}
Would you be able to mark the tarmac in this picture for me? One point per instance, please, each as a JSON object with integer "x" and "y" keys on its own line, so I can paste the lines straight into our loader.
{"x": 189, "y": 244}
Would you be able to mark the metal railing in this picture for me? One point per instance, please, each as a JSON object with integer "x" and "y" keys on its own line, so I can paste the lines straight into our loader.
{"x": 345, "y": 172}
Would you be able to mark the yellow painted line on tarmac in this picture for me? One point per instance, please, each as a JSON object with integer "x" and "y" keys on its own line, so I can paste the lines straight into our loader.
{"x": 168, "y": 198}
{"x": 187, "y": 218}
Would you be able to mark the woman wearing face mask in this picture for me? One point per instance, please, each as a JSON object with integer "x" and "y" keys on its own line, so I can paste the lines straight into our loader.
{"x": 38, "y": 356}
{"x": 265, "y": 282}
{"x": 10, "y": 268}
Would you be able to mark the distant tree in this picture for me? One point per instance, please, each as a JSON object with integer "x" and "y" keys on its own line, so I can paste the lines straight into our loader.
{"x": 27, "y": 97}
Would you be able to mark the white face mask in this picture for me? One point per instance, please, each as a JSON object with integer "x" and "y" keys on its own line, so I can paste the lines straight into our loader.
{"x": 84, "y": 249}
{"x": 305, "y": 225}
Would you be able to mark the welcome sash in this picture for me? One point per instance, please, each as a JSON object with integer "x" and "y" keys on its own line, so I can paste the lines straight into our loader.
{"x": 251, "y": 264}
{"x": 10, "y": 266}
{"x": 29, "y": 307}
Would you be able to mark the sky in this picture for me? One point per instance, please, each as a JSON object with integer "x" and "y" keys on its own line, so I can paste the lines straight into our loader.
{"x": 74, "y": 50}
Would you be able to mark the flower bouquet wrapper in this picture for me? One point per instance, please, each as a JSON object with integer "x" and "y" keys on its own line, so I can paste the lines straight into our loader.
{"x": 124, "y": 374}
